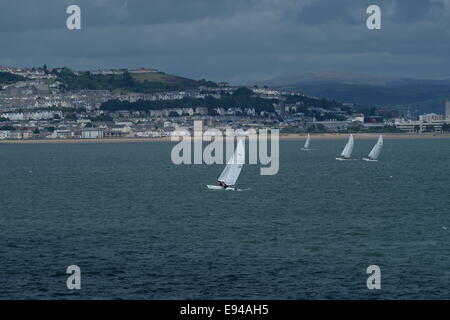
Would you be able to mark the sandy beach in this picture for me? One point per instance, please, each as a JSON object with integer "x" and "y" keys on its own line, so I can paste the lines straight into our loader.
{"x": 287, "y": 137}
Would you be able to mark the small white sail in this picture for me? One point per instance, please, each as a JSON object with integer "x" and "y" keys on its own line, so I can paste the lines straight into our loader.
{"x": 375, "y": 153}
{"x": 234, "y": 166}
{"x": 347, "y": 152}
{"x": 308, "y": 139}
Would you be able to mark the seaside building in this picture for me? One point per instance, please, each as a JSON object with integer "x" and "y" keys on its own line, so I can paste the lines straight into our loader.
{"x": 92, "y": 133}
{"x": 419, "y": 126}
{"x": 447, "y": 109}
{"x": 5, "y": 134}
{"x": 431, "y": 117}
{"x": 61, "y": 134}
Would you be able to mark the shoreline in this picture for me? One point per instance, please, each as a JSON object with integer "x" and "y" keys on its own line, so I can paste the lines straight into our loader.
{"x": 363, "y": 136}
{"x": 286, "y": 137}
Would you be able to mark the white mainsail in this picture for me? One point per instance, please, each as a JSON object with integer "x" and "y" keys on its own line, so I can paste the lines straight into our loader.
{"x": 375, "y": 153}
{"x": 234, "y": 166}
{"x": 308, "y": 139}
{"x": 347, "y": 152}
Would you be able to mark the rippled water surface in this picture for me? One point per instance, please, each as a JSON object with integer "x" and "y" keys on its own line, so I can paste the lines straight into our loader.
{"x": 140, "y": 227}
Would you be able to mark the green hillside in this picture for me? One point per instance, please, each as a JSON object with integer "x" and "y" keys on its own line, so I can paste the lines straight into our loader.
{"x": 163, "y": 78}
{"x": 150, "y": 82}
{"x": 7, "y": 78}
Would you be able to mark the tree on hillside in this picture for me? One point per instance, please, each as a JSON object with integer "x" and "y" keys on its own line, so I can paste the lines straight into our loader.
{"x": 243, "y": 91}
{"x": 127, "y": 80}
{"x": 7, "y": 78}
{"x": 173, "y": 114}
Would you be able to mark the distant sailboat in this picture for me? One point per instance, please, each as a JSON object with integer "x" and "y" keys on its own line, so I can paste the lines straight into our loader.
{"x": 230, "y": 174}
{"x": 375, "y": 153}
{"x": 347, "y": 152}
{"x": 307, "y": 142}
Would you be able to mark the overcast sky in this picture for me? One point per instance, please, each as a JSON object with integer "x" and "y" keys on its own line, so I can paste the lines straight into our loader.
{"x": 231, "y": 40}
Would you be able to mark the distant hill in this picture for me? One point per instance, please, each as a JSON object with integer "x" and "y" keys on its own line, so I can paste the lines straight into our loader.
{"x": 169, "y": 79}
{"x": 420, "y": 95}
{"x": 149, "y": 82}
{"x": 325, "y": 77}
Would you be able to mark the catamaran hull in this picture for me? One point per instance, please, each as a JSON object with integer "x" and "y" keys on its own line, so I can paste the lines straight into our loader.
{"x": 369, "y": 160}
{"x": 211, "y": 187}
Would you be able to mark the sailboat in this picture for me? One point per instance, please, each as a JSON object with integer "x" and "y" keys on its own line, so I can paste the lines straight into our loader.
{"x": 306, "y": 146}
{"x": 230, "y": 174}
{"x": 375, "y": 153}
{"x": 347, "y": 152}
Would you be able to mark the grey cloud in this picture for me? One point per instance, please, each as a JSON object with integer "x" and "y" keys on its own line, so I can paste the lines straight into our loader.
{"x": 238, "y": 40}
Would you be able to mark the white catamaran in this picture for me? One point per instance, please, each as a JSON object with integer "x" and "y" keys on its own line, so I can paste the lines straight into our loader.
{"x": 375, "y": 153}
{"x": 347, "y": 152}
{"x": 306, "y": 146}
{"x": 230, "y": 174}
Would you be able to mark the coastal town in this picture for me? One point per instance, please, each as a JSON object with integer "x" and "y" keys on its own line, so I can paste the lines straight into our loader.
{"x": 46, "y": 103}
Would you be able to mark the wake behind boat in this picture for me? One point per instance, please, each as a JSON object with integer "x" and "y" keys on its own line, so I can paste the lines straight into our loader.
{"x": 230, "y": 174}
{"x": 307, "y": 142}
{"x": 347, "y": 152}
{"x": 376, "y": 151}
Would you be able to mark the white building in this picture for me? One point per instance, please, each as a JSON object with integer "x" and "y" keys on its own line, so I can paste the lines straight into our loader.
{"x": 5, "y": 134}
{"x": 61, "y": 134}
{"x": 40, "y": 115}
{"x": 358, "y": 118}
{"x": 91, "y": 133}
{"x": 419, "y": 126}
{"x": 431, "y": 117}
{"x": 447, "y": 109}
{"x": 180, "y": 133}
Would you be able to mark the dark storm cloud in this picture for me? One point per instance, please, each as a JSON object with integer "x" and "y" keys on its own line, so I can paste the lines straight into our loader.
{"x": 237, "y": 40}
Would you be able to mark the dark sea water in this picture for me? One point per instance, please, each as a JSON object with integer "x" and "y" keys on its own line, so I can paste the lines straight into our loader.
{"x": 140, "y": 227}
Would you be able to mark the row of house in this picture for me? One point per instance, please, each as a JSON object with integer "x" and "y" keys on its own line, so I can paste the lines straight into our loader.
{"x": 30, "y": 73}
{"x": 40, "y": 115}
